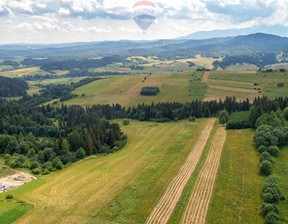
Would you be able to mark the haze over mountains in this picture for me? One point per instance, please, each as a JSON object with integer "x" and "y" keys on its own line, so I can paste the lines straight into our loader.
{"x": 278, "y": 30}
{"x": 212, "y": 47}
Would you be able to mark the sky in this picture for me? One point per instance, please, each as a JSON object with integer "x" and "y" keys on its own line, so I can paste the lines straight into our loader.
{"x": 66, "y": 21}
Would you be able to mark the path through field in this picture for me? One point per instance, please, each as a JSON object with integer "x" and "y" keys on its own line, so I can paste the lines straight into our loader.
{"x": 220, "y": 92}
{"x": 153, "y": 80}
{"x": 165, "y": 207}
{"x": 197, "y": 207}
{"x": 76, "y": 194}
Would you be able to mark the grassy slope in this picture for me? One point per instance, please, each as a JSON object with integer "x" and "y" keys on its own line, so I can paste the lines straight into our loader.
{"x": 90, "y": 90}
{"x": 267, "y": 81}
{"x": 281, "y": 171}
{"x": 237, "y": 193}
{"x": 179, "y": 209}
{"x": 135, "y": 202}
{"x": 151, "y": 158}
{"x": 177, "y": 87}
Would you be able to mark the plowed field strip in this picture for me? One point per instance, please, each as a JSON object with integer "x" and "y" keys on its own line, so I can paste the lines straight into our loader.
{"x": 197, "y": 207}
{"x": 163, "y": 210}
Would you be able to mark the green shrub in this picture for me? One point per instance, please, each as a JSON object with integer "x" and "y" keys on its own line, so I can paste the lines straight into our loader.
{"x": 80, "y": 153}
{"x": 262, "y": 149}
{"x": 192, "y": 119}
{"x": 239, "y": 120}
{"x": 271, "y": 218}
{"x": 37, "y": 171}
{"x": 150, "y": 91}
{"x": 266, "y": 168}
{"x": 9, "y": 196}
{"x": 266, "y": 156}
{"x": 273, "y": 150}
{"x": 126, "y": 122}
{"x": 56, "y": 163}
{"x": 268, "y": 207}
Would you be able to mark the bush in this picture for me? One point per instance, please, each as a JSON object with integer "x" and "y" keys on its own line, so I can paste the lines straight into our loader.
{"x": 56, "y": 163}
{"x": 273, "y": 150}
{"x": 150, "y": 91}
{"x": 80, "y": 153}
{"x": 126, "y": 122}
{"x": 286, "y": 113}
{"x": 37, "y": 171}
{"x": 266, "y": 168}
{"x": 266, "y": 156}
{"x": 192, "y": 119}
{"x": 46, "y": 172}
{"x": 271, "y": 218}
{"x": 34, "y": 165}
{"x": 9, "y": 196}
{"x": 262, "y": 149}
{"x": 267, "y": 208}
{"x": 239, "y": 120}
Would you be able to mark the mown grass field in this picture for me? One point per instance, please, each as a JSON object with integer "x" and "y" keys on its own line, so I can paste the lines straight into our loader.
{"x": 281, "y": 171}
{"x": 135, "y": 176}
{"x": 237, "y": 193}
{"x": 125, "y": 90}
{"x": 267, "y": 81}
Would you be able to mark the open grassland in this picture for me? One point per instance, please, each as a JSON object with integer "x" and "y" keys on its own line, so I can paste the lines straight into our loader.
{"x": 136, "y": 175}
{"x": 220, "y": 88}
{"x": 267, "y": 81}
{"x": 152, "y": 64}
{"x": 166, "y": 205}
{"x": 237, "y": 193}
{"x": 125, "y": 90}
{"x": 197, "y": 207}
{"x": 29, "y": 72}
{"x": 281, "y": 171}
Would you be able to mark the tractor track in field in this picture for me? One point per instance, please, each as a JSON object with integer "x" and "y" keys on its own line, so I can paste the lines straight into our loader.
{"x": 165, "y": 207}
{"x": 197, "y": 207}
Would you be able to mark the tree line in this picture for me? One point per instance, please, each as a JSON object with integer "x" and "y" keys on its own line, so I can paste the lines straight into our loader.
{"x": 45, "y": 139}
{"x": 12, "y": 87}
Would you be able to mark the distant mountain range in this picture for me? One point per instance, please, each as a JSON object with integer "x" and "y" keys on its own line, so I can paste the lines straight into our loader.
{"x": 184, "y": 48}
{"x": 278, "y": 30}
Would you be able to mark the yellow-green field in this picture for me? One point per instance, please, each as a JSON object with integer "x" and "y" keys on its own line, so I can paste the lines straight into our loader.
{"x": 124, "y": 187}
{"x": 237, "y": 194}
{"x": 125, "y": 90}
{"x": 266, "y": 81}
{"x": 79, "y": 192}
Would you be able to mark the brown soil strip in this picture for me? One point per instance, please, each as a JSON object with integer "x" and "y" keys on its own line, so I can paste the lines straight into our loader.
{"x": 165, "y": 207}
{"x": 236, "y": 89}
{"x": 197, "y": 207}
{"x": 205, "y": 77}
{"x": 230, "y": 82}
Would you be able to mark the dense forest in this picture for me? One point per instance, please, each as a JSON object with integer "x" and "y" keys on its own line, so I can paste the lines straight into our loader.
{"x": 260, "y": 60}
{"x": 12, "y": 87}
{"x": 44, "y": 139}
{"x": 54, "y": 63}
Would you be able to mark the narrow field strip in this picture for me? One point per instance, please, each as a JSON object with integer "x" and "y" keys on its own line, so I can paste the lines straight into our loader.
{"x": 205, "y": 77}
{"x": 236, "y": 89}
{"x": 165, "y": 207}
{"x": 197, "y": 207}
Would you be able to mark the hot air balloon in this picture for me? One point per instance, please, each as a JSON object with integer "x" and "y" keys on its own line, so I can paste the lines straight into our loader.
{"x": 144, "y": 14}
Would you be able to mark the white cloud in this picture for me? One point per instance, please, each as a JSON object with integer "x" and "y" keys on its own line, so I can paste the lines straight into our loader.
{"x": 63, "y": 11}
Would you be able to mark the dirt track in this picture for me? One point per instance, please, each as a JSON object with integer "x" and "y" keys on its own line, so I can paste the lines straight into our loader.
{"x": 205, "y": 77}
{"x": 165, "y": 207}
{"x": 197, "y": 207}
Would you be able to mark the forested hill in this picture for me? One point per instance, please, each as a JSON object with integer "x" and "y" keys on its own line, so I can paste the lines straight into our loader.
{"x": 253, "y": 43}
{"x": 12, "y": 87}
